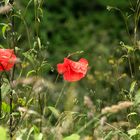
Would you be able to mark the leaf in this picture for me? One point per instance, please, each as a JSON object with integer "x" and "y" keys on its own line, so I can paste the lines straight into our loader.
{"x": 16, "y": 114}
{"x": 21, "y": 134}
{"x": 29, "y": 56}
{"x": 5, "y": 107}
{"x": 38, "y": 136}
{"x": 137, "y": 98}
{"x": 132, "y": 87}
{"x": 31, "y": 130}
{"x": 1, "y": 46}
{"x": 39, "y": 42}
{"x": 3, "y": 133}
{"x": 54, "y": 111}
{"x": 6, "y": 2}
{"x": 72, "y": 137}
{"x": 127, "y": 47}
{"x": 36, "y": 129}
{"x": 5, "y": 89}
{"x": 29, "y": 101}
{"x": 4, "y": 28}
{"x": 109, "y": 135}
{"x": 30, "y": 72}
{"x": 132, "y": 132}
{"x": 138, "y": 126}
{"x": 131, "y": 114}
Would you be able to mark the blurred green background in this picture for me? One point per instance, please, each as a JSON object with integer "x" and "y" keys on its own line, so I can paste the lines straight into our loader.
{"x": 77, "y": 25}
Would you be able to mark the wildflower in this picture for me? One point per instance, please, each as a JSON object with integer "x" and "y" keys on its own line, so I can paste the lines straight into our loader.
{"x": 7, "y": 59}
{"x": 73, "y": 71}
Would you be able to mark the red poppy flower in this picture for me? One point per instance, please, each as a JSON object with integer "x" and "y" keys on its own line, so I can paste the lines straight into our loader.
{"x": 71, "y": 70}
{"x": 7, "y": 59}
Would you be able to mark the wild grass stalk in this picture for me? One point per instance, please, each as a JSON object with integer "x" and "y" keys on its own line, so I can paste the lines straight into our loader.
{"x": 12, "y": 46}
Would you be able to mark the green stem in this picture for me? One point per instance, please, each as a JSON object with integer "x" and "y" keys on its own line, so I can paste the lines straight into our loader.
{"x": 130, "y": 67}
{"x": 60, "y": 95}
{"x": 13, "y": 71}
{"x": 57, "y": 101}
{"x": 85, "y": 126}
{"x": 36, "y": 14}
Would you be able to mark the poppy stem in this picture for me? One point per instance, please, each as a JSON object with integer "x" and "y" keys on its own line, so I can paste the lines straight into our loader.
{"x": 60, "y": 95}
{"x": 57, "y": 101}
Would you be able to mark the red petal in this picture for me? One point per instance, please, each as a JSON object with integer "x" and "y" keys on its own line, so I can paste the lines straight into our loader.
{"x": 7, "y": 59}
{"x": 67, "y": 61}
{"x": 80, "y": 66}
{"x": 61, "y": 68}
{"x": 83, "y": 61}
{"x": 72, "y": 76}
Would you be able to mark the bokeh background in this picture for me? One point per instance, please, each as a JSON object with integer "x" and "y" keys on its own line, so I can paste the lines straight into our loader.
{"x": 69, "y": 26}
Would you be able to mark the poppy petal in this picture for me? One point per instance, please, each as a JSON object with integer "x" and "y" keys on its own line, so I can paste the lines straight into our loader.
{"x": 80, "y": 66}
{"x": 72, "y": 76}
{"x": 7, "y": 59}
{"x": 83, "y": 61}
{"x": 61, "y": 68}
